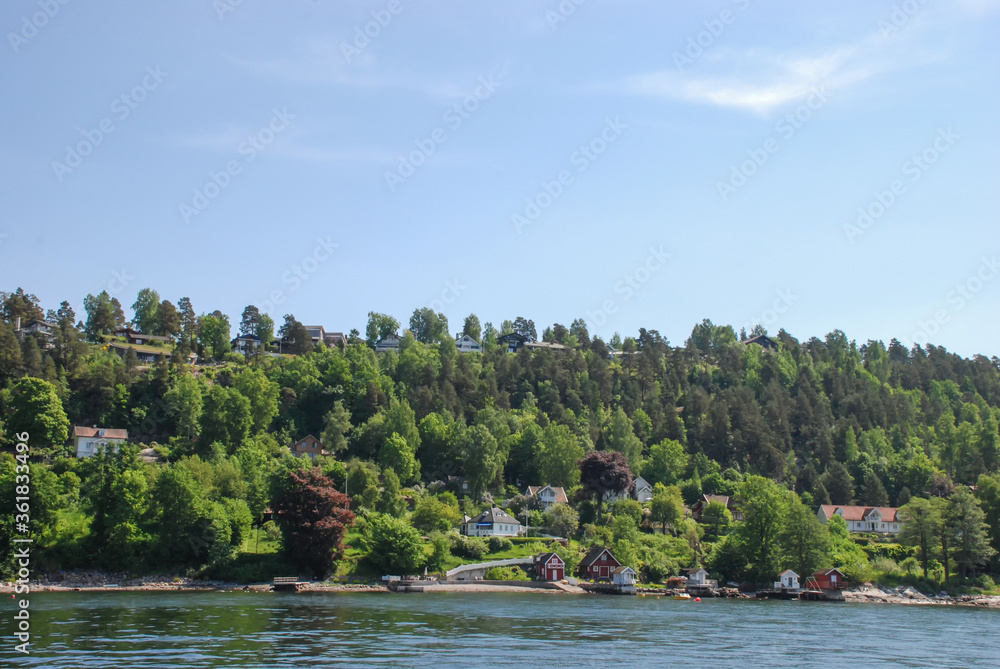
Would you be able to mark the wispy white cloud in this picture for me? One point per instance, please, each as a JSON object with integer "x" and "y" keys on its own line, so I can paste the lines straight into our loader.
{"x": 320, "y": 61}
{"x": 760, "y": 80}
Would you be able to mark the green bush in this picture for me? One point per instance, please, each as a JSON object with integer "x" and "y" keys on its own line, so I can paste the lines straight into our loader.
{"x": 472, "y": 548}
{"x": 497, "y": 544}
{"x": 506, "y": 574}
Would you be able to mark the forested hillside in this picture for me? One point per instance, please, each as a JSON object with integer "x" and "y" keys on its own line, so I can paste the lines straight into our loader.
{"x": 834, "y": 420}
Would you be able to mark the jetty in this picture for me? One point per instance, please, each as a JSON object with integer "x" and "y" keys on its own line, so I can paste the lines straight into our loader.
{"x": 288, "y": 584}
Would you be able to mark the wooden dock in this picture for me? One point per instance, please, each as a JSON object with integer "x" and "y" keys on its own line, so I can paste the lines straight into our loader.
{"x": 288, "y": 584}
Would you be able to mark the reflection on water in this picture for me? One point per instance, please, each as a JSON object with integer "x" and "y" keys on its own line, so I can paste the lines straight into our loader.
{"x": 175, "y": 629}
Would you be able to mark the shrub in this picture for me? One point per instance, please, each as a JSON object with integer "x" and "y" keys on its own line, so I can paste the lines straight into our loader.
{"x": 472, "y": 548}
{"x": 272, "y": 531}
{"x": 497, "y": 544}
{"x": 886, "y": 566}
{"x": 506, "y": 574}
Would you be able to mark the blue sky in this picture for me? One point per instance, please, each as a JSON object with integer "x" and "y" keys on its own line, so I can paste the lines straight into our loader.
{"x": 636, "y": 163}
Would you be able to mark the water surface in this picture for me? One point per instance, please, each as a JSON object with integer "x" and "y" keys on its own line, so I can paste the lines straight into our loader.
{"x": 243, "y": 629}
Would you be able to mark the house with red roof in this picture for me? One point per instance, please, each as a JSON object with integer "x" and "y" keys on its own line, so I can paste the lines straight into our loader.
{"x": 879, "y": 519}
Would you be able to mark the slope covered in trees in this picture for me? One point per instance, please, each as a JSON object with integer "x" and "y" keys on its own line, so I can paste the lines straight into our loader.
{"x": 832, "y": 420}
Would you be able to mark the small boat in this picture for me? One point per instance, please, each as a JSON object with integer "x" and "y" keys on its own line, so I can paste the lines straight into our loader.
{"x": 683, "y": 596}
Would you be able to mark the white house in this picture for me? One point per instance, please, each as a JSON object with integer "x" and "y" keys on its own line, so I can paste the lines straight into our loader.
{"x": 388, "y": 343}
{"x": 88, "y": 441}
{"x": 493, "y": 522}
{"x": 640, "y": 491}
{"x": 787, "y": 580}
{"x": 879, "y": 519}
{"x": 466, "y": 344}
{"x": 624, "y": 576}
{"x": 547, "y": 495}
{"x": 697, "y": 577}
{"x": 246, "y": 344}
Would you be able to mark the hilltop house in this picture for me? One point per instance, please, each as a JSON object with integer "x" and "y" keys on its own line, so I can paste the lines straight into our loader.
{"x": 493, "y": 522}
{"x": 43, "y": 331}
{"x": 88, "y": 441}
{"x": 550, "y": 567}
{"x": 308, "y": 447}
{"x": 881, "y": 519}
{"x": 466, "y": 344}
{"x": 136, "y": 337}
{"x": 547, "y": 495}
{"x": 246, "y": 344}
{"x": 598, "y": 564}
{"x": 511, "y": 341}
{"x": 764, "y": 342}
{"x": 388, "y": 343}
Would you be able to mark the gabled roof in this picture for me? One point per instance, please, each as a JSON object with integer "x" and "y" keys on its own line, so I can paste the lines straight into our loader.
{"x": 561, "y": 498}
{"x": 543, "y": 558}
{"x": 100, "y": 432}
{"x": 763, "y": 340}
{"x": 622, "y": 570}
{"x": 595, "y": 553}
{"x": 247, "y": 337}
{"x": 308, "y": 436}
{"x": 827, "y": 572}
{"x": 859, "y": 513}
{"x": 494, "y": 515}
{"x": 512, "y": 336}
{"x": 788, "y": 571}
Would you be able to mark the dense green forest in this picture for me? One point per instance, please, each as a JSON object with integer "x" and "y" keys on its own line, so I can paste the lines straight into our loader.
{"x": 418, "y": 437}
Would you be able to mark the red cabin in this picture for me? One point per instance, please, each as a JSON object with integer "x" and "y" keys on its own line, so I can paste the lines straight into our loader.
{"x": 829, "y": 579}
{"x": 550, "y": 567}
{"x": 598, "y": 564}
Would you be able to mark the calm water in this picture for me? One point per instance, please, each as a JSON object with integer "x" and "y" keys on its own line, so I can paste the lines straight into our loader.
{"x": 461, "y": 630}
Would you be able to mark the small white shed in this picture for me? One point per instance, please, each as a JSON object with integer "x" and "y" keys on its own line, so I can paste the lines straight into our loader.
{"x": 789, "y": 580}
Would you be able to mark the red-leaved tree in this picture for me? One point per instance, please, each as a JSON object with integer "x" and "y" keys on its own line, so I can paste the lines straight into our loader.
{"x": 314, "y": 517}
{"x": 603, "y": 472}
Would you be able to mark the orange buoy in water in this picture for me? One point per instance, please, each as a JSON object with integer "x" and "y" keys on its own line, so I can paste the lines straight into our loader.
{"x": 697, "y": 599}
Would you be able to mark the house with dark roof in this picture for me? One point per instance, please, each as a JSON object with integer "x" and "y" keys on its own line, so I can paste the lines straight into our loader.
{"x": 136, "y": 337}
{"x": 880, "y": 519}
{"x": 246, "y": 344}
{"x": 493, "y": 522}
{"x": 764, "y": 342}
{"x": 512, "y": 342}
{"x": 598, "y": 564}
{"x": 43, "y": 331}
{"x": 88, "y": 441}
{"x": 550, "y": 567}
{"x": 547, "y": 495}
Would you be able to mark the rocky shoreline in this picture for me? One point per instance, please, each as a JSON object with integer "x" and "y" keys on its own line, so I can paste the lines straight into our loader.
{"x": 78, "y": 581}
{"x": 96, "y": 581}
